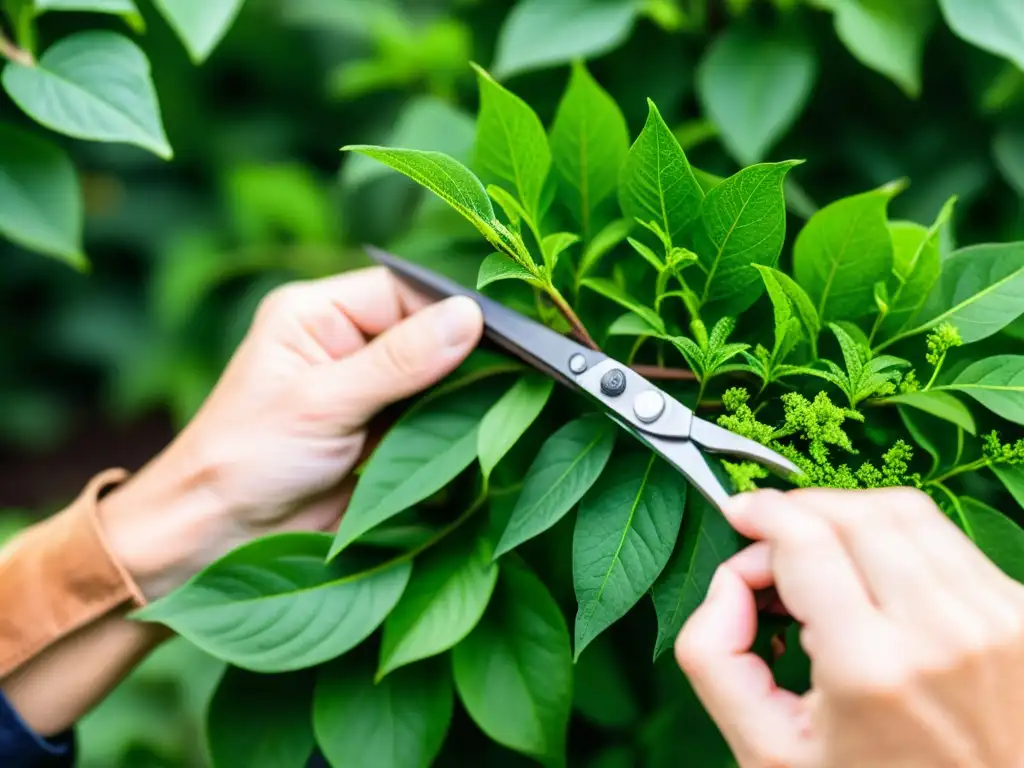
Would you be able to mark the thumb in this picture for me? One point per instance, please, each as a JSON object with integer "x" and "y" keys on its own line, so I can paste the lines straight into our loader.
{"x": 758, "y": 719}
{"x": 404, "y": 360}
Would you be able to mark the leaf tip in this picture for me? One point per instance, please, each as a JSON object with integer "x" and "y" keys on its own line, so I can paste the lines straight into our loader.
{"x": 482, "y": 73}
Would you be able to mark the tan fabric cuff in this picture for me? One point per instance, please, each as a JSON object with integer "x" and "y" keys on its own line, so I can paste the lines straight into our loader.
{"x": 59, "y": 576}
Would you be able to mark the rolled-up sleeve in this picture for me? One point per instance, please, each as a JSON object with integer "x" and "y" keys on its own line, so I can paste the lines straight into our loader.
{"x": 21, "y": 748}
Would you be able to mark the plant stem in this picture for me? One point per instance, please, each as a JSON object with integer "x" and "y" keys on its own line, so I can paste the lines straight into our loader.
{"x": 700, "y": 392}
{"x": 935, "y": 373}
{"x": 974, "y": 465}
{"x": 577, "y": 325}
{"x": 10, "y": 51}
{"x": 636, "y": 349}
{"x": 434, "y": 540}
{"x": 957, "y": 509}
{"x": 656, "y": 373}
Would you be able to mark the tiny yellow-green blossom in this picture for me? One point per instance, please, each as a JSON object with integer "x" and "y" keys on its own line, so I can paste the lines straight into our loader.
{"x": 741, "y": 418}
{"x": 910, "y": 384}
{"x": 819, "y": 424}
{"x": 998, "y": 452}
{"x": 744, "y": 474}
{"x": 942, "y": 339}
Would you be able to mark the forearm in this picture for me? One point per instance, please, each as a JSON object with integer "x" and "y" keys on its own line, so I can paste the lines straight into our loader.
{"x": 56, "y": 687}
{"x": 68, "y": 584}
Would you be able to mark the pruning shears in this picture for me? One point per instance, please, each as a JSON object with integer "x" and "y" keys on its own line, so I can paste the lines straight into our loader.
{"x": 646, "y": 412}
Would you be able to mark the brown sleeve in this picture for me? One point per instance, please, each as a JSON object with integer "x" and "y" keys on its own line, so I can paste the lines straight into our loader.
{"x": 59, "y": 576}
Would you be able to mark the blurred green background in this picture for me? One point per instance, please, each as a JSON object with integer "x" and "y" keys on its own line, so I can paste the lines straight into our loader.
{"x": 101, "y": 369}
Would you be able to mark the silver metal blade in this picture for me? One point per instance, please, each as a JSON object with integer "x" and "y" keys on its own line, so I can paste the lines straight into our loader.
{"x": 719, "y": 440}
{"x": 687, "y": 458}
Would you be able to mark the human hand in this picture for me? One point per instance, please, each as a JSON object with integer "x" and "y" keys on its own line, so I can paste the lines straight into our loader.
{"x": 273, "y": 446}
{"x": 916, "y": 639}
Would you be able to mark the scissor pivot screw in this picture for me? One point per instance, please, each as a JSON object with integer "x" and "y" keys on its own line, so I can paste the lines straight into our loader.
{"x": 649, "y": 406}
{"x": 577, "y": 363}
{"x": 613, "y": 383}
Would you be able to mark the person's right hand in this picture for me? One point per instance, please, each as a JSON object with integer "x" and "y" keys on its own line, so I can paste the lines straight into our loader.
{"x": 916, "y": 639}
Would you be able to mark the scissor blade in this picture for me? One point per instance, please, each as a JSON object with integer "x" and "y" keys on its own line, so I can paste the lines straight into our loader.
{"x": 719, "y": 440}
{"x": 685, "y": 456}
{"x": 537, "y": 344}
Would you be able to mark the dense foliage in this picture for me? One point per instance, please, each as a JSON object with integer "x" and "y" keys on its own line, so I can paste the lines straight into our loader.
{"x": 653, "y": 200}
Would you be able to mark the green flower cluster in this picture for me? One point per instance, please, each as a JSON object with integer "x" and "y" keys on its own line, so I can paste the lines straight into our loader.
{"x": 942, "y": 339}
{"x": 817, "y": 425}
{"x": 998, "y": 452}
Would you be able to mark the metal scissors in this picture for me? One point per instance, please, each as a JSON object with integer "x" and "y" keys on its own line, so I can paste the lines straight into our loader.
{"x": 646, "y": 412}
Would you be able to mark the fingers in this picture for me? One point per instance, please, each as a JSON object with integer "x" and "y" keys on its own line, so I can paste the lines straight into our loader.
{"x": 760, "y": 721}
{"x": 408, "y": 358}
{"x": 337, "y": 313}
{"x": 816, "y": 578}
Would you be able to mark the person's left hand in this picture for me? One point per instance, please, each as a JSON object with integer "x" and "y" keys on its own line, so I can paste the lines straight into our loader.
{"x": 273, "y": 446}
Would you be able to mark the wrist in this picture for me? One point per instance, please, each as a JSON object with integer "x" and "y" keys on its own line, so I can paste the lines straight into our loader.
{"x": 163, "y": 524}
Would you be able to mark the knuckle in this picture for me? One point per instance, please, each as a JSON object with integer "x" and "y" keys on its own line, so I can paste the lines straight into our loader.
{"x": 690, "y": 650}
{"x": 280, "y": 301}
{"x": 873, "y": 680}
{"x": 402, "y": 354}
{"x": 909, "y": 503}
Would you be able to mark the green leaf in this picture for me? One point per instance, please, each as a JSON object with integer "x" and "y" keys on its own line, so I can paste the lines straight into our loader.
{"x": 514, "y": 671}
{"x": 427, "y": 123}
{"x": 980, "y": 291}
{"x": 888, "y": 37}
{"x": 293, "y": 609}
{"x": 423, "y": 452}
{"x": 124, "y": 8}
{"x": 554, "y": 245}
{"x": 510, "y": 417}
{"x": 626, "y": 530}
{"x": 996, "y": 26}
{"x": 917, "y": 264}
{"x": 200, "y": 25}
{"x": 1013, "y": 478}
{"x": 939, "y": 404}
{"x": 95, "y": 86}
{"x": 612, "y": 291}
{"x": 743, "y": 223}
{"x": 995, "y": 382}
{"x": 589, "y": 142}
{"x": 498, "y": 266}
{"x": 843, "y": 251}
{"x": 398, "y": 722}
{"x": 603, "y": 243}
{"x": 630, "y": 324}
{"x": 754, "y": 84}
{"x": 538, "y": 33}
{"x": 656, "y": 182}
{"x": 513, "y": 208}
{"x": 261, "y": 721}
{"x": 648, "y": 255}
{"x": 930, "y": 433}
{"x": 1001, "y": 539}
{"x": 797, "y": 296}
{"x": 568, "y": 464}
{"x": 452, "y": 182}
{"x": 40, "y": 198}
{"x": 98, "y": 6}
{"x": 447, "y": 594}
{"x": 511, "y": 143}
{"x": 706, "y": 541}
{"x": 1008, "y": 153}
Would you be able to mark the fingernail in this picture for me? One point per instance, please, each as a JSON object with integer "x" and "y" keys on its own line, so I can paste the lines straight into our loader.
{"x": 459, "y": 321}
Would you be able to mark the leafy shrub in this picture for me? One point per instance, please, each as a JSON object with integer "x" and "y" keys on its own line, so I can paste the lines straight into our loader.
{"x": 859, "y": 338}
